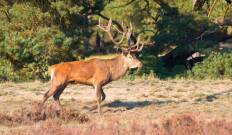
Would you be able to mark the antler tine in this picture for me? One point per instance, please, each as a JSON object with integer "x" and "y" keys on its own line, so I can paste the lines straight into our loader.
{"x": 136, "y": 44}
{"x": 131, "y": 27}
{"x": 109, "y": 24}
{"x": 141, "y": 48}
{"x": 99, "y": 24}
{"x": 146, "y": 42}
{"x": 104, "y": 28}
{"x": 123, "y": 26}
{"x": 117, "y": 29}
{"x": 129, "y": 31}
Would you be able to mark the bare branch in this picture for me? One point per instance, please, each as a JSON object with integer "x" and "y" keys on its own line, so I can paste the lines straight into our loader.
{"x": 207, "y": 32}
{"x": 225, "y": 45}
{"x": 226, "y": 10}
{"x": 211, "y": 9}
{"x": 124, "y": 5}
{"x": 223, "y": 22}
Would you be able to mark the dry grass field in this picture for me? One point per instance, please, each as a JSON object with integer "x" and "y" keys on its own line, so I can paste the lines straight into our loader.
{"x": 153, "y": 106}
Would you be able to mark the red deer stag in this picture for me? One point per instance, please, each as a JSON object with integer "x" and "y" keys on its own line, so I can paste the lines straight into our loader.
{"x": 96, "y": 72}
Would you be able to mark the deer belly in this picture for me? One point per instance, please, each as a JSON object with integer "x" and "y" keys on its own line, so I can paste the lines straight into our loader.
{"x": 81, "y": 80}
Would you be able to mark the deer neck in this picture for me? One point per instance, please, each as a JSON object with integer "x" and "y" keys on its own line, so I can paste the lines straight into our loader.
{"x": 118, "y": 67}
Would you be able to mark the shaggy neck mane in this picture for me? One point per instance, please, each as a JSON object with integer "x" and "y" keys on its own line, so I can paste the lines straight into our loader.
{"x": 117, "y": 67}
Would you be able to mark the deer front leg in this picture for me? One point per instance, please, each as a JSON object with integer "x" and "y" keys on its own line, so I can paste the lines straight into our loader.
{"x": 98, "y": 96}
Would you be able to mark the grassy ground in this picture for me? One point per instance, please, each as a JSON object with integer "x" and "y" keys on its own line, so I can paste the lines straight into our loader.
{"x": 144, "y": 101}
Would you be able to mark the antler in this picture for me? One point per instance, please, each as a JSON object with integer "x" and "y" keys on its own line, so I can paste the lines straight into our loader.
{"x": 126, "y": 32}
{"x": 107, "y": 30}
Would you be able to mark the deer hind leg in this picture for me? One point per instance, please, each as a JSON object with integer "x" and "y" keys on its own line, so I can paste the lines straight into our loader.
{"x": 57, "y": 94}
{"x": 98, "y": 96}
{"x": 49, "y": 93}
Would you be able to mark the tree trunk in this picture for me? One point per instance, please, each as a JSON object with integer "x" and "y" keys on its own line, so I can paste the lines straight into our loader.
{"x": 86, "y": 33}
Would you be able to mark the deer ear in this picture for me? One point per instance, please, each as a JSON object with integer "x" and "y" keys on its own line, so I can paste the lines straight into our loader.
{"x": 124, "y": 51}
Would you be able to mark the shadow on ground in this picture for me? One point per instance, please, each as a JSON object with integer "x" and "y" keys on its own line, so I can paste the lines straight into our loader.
{"x": 214, "y": 96}
{"x": 137, "y": 104}
{"x": 121, "y": 105}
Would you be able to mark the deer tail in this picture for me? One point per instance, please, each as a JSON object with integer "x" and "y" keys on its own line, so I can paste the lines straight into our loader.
{"x": 51, "y": 72}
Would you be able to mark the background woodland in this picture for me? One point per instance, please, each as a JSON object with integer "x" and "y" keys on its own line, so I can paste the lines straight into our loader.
{"x": 191, "y": 39}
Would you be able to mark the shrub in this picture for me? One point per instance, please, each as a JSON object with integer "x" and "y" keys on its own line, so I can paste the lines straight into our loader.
{"x": 152, "y": 66}
{"x": 6, "y": 71}
{"x": 215, "y": 66}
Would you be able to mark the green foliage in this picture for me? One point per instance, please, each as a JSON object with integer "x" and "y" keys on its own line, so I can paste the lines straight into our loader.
{"x": 30, "y": 46}
{"x": 215, "y": 66}
{"x": 152, "y": 65}
{"x": 183, "y": 27}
